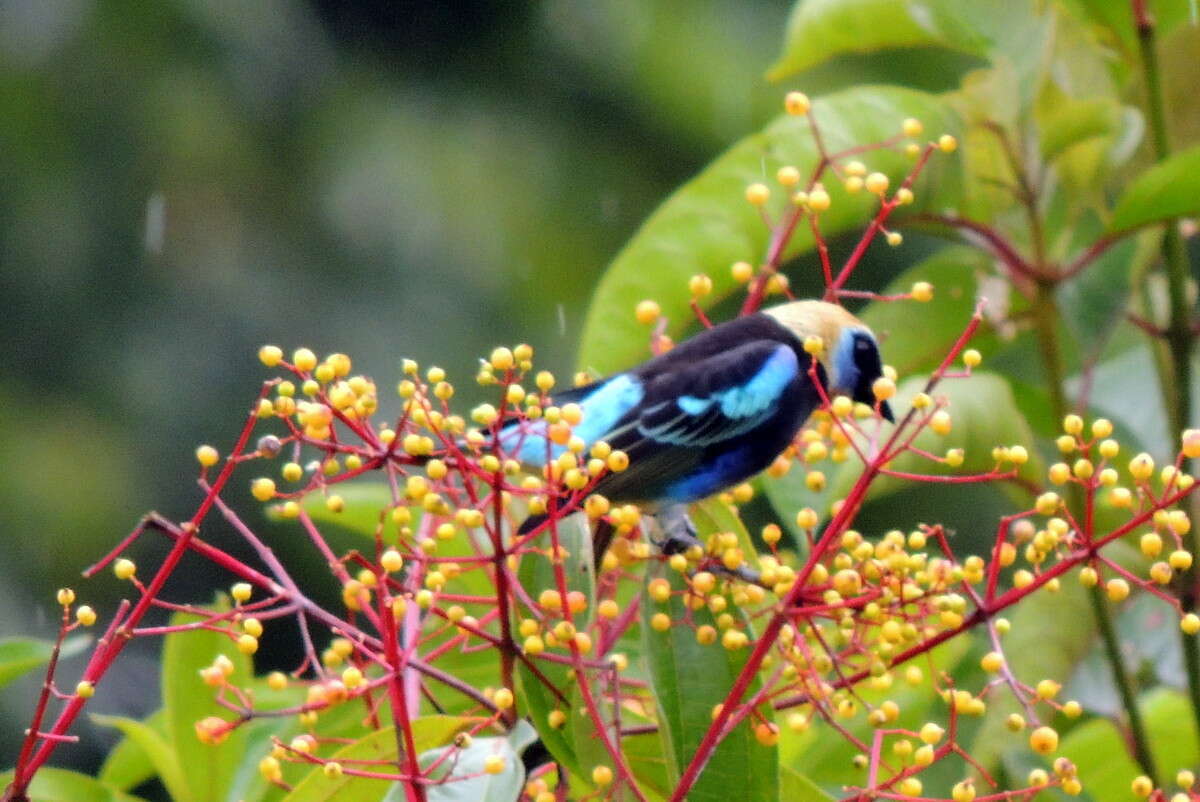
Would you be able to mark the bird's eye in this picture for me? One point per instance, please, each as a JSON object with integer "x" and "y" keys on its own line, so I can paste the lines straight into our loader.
{"x": 862, "y": 344}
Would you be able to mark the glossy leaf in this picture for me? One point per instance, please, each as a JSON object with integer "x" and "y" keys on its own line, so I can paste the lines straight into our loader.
{"x": 53, "y": 784}
{"x": 157, "y": 749}
{"x": 688, "y": 679}
{"x": 706, "y": 225}
{"x": 818, "y": 30}
{"x": 795, "y": 787}
{"x": 429, "y": 732}
{"x": 208, "y": 770}
{"x": 20, "y": 655}
{"x": 127, "y": 764}
{"x": 1167, "y": 190}
{"x": 536, "y": 573}
{"x": 1069, "y": 121}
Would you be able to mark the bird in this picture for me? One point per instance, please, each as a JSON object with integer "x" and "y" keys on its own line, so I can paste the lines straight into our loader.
{"x": 711, "y": 412}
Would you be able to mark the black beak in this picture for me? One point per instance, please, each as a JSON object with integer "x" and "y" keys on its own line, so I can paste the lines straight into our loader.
{"x": 886, "y": 411}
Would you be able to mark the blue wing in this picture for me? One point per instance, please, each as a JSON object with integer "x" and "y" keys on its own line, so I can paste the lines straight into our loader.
{"x": 730, "y": 405}
{"x": 604, "y": 404}
{"x": 711, "y": 423}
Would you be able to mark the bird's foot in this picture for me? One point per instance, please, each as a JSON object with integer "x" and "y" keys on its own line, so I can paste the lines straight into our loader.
{"x": 680, "y": 537}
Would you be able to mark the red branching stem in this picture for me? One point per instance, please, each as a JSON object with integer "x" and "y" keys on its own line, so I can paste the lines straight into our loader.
{"x": 992, "y": 239}
{"x": 104, "y": 656}
{"x": 21, "y": 779}
{"x": 401, "y": 719}
{"x": 868, "y": 236}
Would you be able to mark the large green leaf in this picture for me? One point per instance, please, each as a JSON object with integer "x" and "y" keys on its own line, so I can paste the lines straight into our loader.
{"x": 536, "y": 573}
{"x": 706, "y": 225}
{"x": 429, "y": 732}
{"x": 127, "y": 764}
{"x": 153, "y": 743}
{"x": 208, "y": 770}
{"x": 52, "y": 784}
{"x": 689, "y": 679}
{"x": 818, "y": 30}
{"x": 1099, "y": 751}
{"x": 1167, "y": 190}
{"x": 795, "y": 787}
{"x": 20, "y": 655}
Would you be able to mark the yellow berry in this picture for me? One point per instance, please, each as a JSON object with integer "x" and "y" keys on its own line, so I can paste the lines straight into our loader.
{"x": 124, "y": 569}
{"x": 1117, "y": 589}
{"x": 947, "y": 143}
{"x": 922, "y": 291}
{"x": 1044, "y": 740}
{"x": 304, "y": 359}
{"x": 876, "y": 183}
{"x": 757, "y": 194}
{"x": 207, "y": 456}
{"x": 602, "y": 775}
{"x": 796, "y": 103}
{"x": 263, "y": 488}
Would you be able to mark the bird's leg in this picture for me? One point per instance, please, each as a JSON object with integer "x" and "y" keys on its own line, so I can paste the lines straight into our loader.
{"x": 679, "y": 535}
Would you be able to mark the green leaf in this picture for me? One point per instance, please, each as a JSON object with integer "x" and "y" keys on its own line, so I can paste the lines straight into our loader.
{"x": 536, "y": 573}
{"x": 127, "y": 764}
{"x": 429, "y": 732}
{"x": 1068, "y": 121}
{"x": 984, "y": 415}
{"x": 688, "y": 679}
{"x": 20, "y": 655}
{"x": 52, "y": 784}
{"x": 706, "y": 225}
{"x": 1167, "y": 190}
{"x": 795, "y": 787}
{"x": 208, "y": 770}
{"x": 501, "y": 787}
{"x": 157, "y": 749}
{"x": 1099, "y": 749}
{"x": 818, "y": 30}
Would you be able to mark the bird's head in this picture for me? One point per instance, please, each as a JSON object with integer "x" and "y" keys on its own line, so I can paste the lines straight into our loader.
{"x": 850, "y": 356}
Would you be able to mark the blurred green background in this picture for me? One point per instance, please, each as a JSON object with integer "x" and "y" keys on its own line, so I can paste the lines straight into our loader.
{"x": 181, "y": 182}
